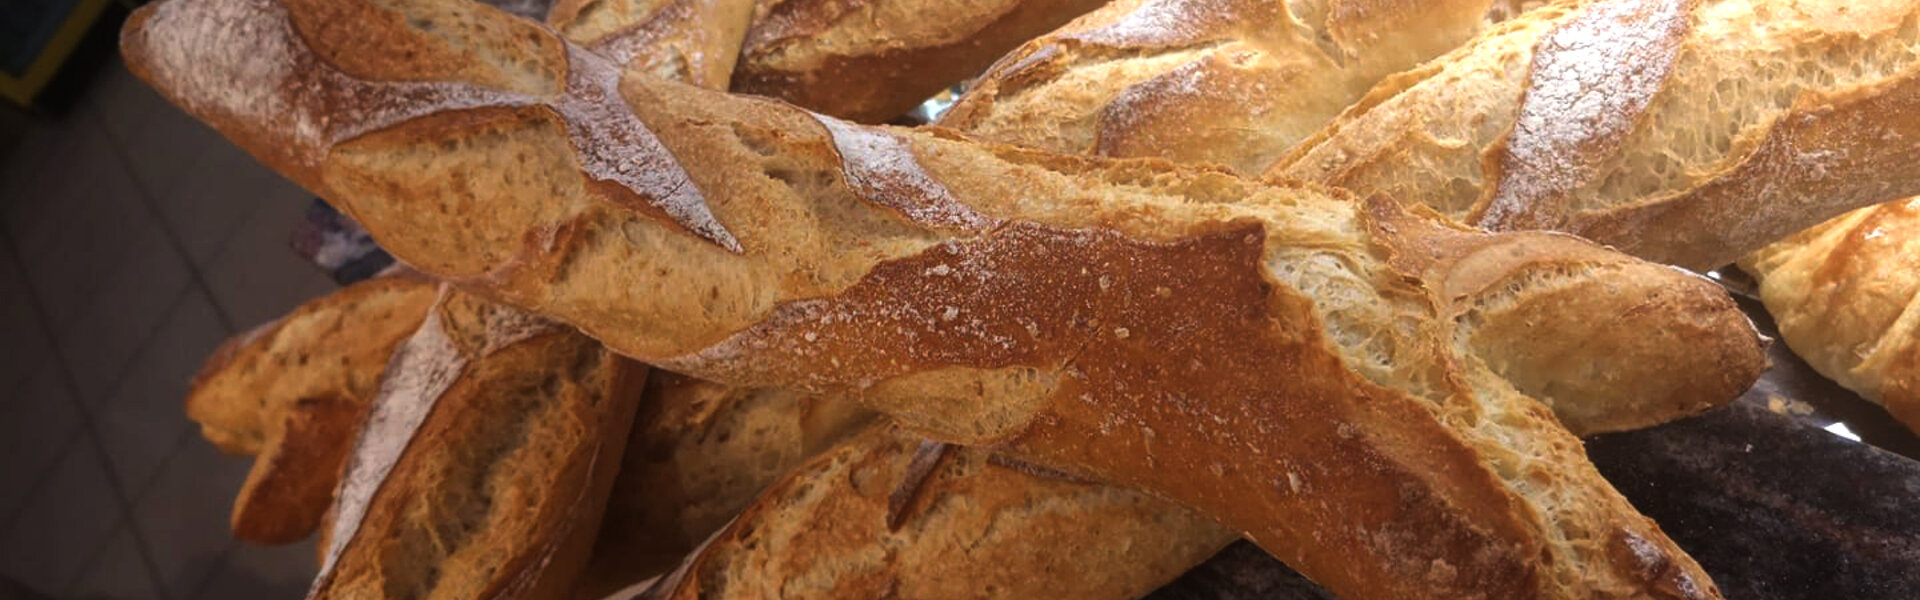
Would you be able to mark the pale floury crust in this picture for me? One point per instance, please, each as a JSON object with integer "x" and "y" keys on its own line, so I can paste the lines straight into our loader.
{"x": 1229, "y": 82}
{"x": 1737, "y": 123}
{"x": 1176, "y": 329}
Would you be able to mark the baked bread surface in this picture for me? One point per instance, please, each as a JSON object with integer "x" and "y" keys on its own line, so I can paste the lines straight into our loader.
{"x": 1132, "y": 321}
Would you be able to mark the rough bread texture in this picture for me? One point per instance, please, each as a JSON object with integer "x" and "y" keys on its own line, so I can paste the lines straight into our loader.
{"x": 485, "y": 463}
{"x": 699, "y": 454}
{"x": 1847, "y": 297}
{"x": 692, "y": 41}
{"x": 293, "y": 392}
{"x": 1290, "y": 362}
{"x": 1681, "y": 131}
{"x": 1227, "y": 82}
{"x": 972, "y": 529}
{"x": 874, "y": 60}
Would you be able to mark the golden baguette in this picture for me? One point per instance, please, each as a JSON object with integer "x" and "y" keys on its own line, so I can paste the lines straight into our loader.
{"x": 1228, "y": 82}
{"x": 293, "y": 392}
{"x": 874, "y": 60}
{"x": 485, "y": 462}
{"x": 879, "y": 517}
{"x": 1846, "y": 295}
{"x": 1689, "y": 132}
{"x": 1101, "y": 317}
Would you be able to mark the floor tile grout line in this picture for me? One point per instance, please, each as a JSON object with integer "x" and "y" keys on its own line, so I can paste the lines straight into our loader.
{"x": 89, "y": 429}
{"x": 41, "y": 477}
{"x": 213, "y": 574}
{"x": 151, "y": 203}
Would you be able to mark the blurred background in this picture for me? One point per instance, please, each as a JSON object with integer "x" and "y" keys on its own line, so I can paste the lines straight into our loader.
{"x": 133, "y": 240}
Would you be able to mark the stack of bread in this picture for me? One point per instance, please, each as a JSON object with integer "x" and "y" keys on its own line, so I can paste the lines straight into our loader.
{"x": 1171, "y": 273}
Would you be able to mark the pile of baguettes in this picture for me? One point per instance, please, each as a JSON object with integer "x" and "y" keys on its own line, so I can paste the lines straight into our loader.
{"x": 1172, "y": 273}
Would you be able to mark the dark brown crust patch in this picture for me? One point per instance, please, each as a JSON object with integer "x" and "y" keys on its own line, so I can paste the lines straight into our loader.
{"x": 1089, "y": 304}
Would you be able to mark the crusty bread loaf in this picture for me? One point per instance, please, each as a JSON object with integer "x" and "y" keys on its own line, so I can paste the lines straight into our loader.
{"x": 485, "y": 462}
{"x": 699, "y": 454}
{"x": 1227, "y": 82}
{"x": 873, "y": 60}
{"x": 1846, "y": 295}
{"x": 1681, "y": 131}
{"x": 293, "y": 392}
{"x": 1298, "y": 365}
{"x": 693, "y": 41}
{"x": 838, "y": 527}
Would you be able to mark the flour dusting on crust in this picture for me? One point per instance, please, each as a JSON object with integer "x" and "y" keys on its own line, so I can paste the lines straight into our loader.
{"x": 243, "y": 60}
{"x": 418, "y": 375}
{"x": 1161, "y": 22}
{"x": 880, "y": 167}
{"x": 1591, "y": 80}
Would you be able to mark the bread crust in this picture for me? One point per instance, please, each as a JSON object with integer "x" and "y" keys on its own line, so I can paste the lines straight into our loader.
{"x": 1681, "y": 131}
{"x": 873, "y": 60}
{"x": 977, "y": 529}
{"x": 485, "y": 464}
{"x": 1228, "y": 82}
{"x": 1131, "y": 321}
{"x": 1846, "y": 295}
{"x": 292, "y": 394}
{"x": 699, "y": 455}
{"x": 692, "y": 41}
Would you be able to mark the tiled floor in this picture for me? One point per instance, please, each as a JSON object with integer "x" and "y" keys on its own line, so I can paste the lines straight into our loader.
{"x": 132, "y": 241}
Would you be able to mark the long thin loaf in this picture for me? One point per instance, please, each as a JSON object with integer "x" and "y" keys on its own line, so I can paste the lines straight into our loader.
{"x": 876, "y": 517}
{"x": 485, "y": 461}
{"x": 1690, "y": 132}
{"x": 293, "y": 392}
{"x": 1227, "y": 82}
{"x": 1130, "y": 321}
{"x": 692, "y": 41}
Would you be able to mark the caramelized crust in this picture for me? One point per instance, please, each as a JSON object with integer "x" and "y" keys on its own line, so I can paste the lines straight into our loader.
{"x": 1227, "y": 82}
{"x": 1276, "y": 357}
{"x": 873, "y": 60}
{"x": 1847, "y": 297}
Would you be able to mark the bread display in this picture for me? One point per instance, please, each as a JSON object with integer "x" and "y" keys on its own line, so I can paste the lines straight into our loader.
{"x": 1680, "y": 131}
{"x": 1058, "y": 308}
{"x": 1228, "y": 82}
{"x": 1846, "y": 295}
{"x": 292, "y": 393}
{"x": 873, "y": 60}
{"x": 485, "y": 461}
{"x": 856, "y": 522}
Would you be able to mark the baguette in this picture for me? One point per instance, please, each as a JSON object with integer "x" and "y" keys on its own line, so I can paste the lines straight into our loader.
{"x": 1718, "y": 126}
{"x": 1128, "y": 321}
{"x": 293, "y": 392}
{"x": 834, "y": 528}
{"x": 699, "y": 454}
{"x": 875, "y": 60}
{"x": 693, "y": 41}
{"x": 1846, "y": 295}
{"x": 485, "y": 462}
{"x": 1228, "y": 82}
